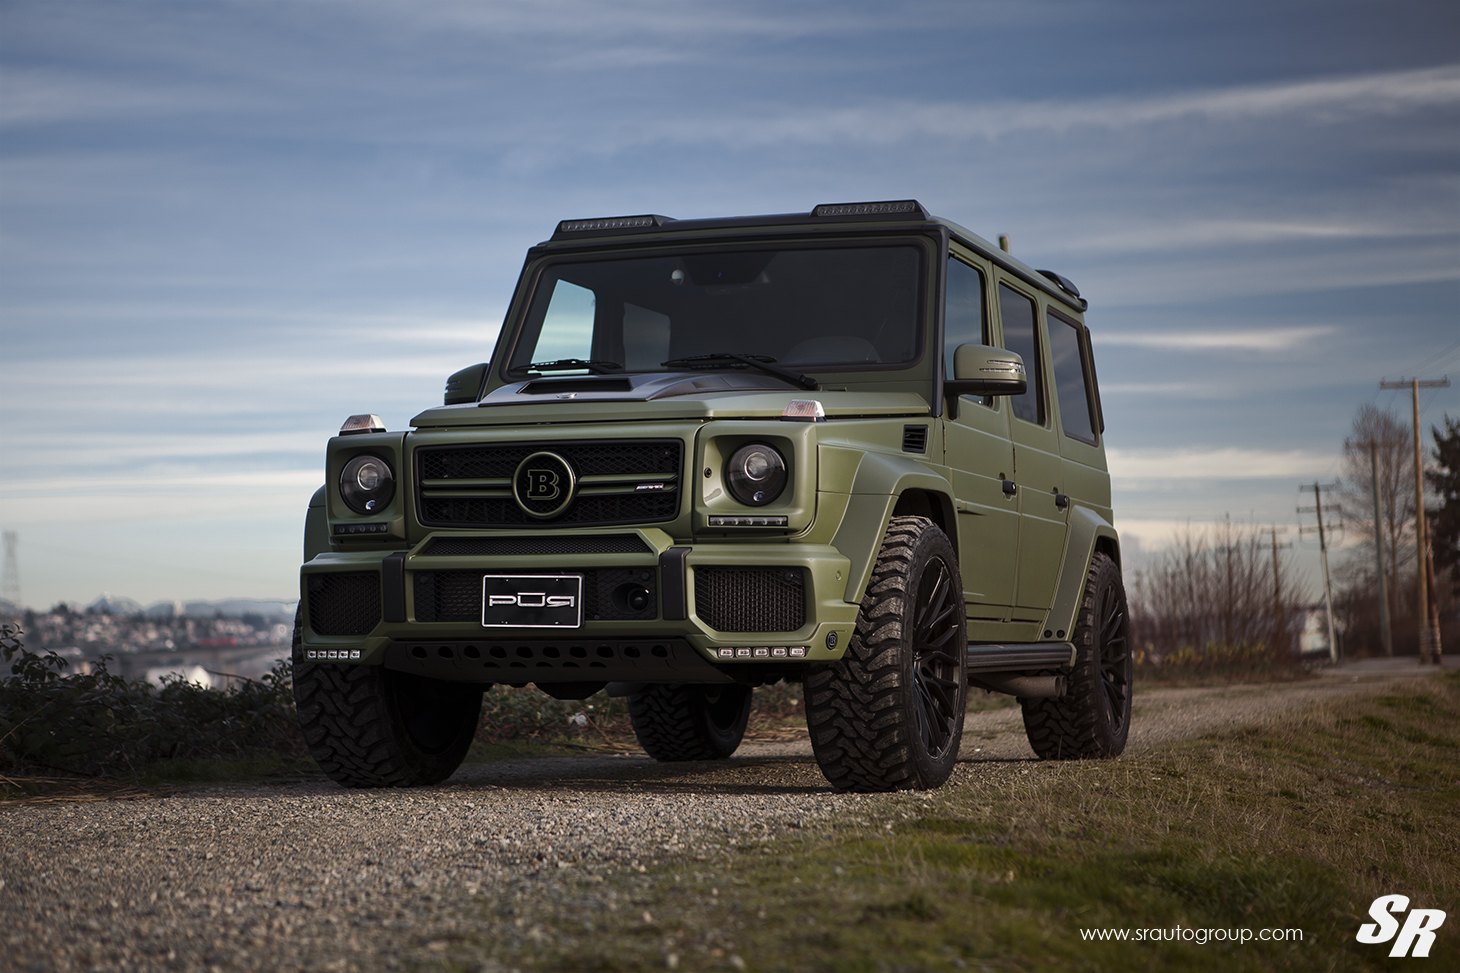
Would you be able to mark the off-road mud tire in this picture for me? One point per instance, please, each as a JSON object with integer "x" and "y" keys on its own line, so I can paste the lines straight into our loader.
{"x": 369, "y": 727}
{"x": 677, "y": 723}
{"x": 1092, "y": 720}
{"x": 889, "y": 715}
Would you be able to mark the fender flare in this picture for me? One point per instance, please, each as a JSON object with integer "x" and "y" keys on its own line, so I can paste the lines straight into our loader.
{"x": 880, "y": 481}
{"x": 1089, "y": 534}
{"x": 316, "y": 526}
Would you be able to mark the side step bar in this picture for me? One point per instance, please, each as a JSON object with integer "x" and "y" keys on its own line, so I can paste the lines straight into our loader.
{"x": 1014, "y": 669}
{"x": 1020, "y": 656}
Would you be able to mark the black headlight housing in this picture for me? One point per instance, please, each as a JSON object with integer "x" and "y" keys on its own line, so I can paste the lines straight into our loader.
{"x": 756, "y": 474}
{"x": 367, "y": 484}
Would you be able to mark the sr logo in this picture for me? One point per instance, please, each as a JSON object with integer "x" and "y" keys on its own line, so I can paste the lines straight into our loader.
{"x": 543, "y": 485}
{"x": 1417, "y": 933}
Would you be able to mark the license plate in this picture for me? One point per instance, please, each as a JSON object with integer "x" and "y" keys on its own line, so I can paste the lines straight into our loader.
{"x": 532, "y": 600}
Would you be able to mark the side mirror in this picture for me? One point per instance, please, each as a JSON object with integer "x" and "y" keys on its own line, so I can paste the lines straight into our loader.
{"x": 466, "y": 385}
{"x": 981, "y": 370}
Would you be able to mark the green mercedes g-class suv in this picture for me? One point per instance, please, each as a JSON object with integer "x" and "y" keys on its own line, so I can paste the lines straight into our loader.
{"x": 858, "y": 448}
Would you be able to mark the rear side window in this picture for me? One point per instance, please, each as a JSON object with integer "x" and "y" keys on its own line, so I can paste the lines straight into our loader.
{"x": 1021, "y": 338}
{"x": 1071, "y": 383}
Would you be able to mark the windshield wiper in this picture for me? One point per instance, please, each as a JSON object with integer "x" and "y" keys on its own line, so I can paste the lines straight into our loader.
{"x": 762, "y": 363}
{"x": 594, "y": 365}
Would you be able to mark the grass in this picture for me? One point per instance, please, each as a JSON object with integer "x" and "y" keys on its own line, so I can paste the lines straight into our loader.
{"x": 1298, "y": 826}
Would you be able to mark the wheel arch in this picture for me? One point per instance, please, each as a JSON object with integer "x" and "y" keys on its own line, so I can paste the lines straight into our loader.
{"x": 1089, "y": 534}
{"x": 884, "y": 487}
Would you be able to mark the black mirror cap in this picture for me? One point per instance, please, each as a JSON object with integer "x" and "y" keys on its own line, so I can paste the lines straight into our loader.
{"x": 465, "y": 386}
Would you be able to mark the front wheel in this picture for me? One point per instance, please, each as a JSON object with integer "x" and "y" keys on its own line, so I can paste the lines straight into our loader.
{"x": 889, "y": 715}
{"x": 675, "y": 723}
{"x": 1093, "y": 718}
{"x": 369, "y": 727}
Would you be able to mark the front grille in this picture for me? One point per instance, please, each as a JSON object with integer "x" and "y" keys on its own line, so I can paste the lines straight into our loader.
{"x": 456, "y": 596}
{"x": 633, "y": 482}
{"x": 751, "y": 599}
{"x": 344, "y": 604}
{"x": 534, "y": 546}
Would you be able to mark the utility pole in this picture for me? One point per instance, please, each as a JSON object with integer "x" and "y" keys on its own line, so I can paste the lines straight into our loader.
{"x": 1429, "y": 635}
{"x": 1317, "y": 509}
{"x": 1386, "y": 636}
{"x": 10, "y": 575}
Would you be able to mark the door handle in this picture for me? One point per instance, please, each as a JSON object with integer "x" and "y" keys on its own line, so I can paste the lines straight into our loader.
{"x": 1010, "y": 487}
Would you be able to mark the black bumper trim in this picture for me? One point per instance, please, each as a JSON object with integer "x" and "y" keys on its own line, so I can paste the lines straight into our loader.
{"x": 393, "y": 587}
{"x": 523, "y": 661}
{"x": 673, "y": 602}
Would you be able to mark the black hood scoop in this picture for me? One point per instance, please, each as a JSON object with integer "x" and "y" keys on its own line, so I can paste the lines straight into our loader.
{"x": 631, "y": 388}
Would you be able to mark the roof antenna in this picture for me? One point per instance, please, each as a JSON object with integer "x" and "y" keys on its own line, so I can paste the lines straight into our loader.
{"x": 1004, "y": 242}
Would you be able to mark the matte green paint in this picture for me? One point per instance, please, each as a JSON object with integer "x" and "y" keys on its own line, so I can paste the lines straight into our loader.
{"x": 846, "y": 475}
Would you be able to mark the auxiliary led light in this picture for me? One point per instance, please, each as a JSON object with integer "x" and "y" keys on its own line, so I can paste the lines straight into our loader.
{"x": 762, "y": 652}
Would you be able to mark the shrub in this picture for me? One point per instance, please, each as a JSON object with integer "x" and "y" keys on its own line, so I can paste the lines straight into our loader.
{"x": 96, "y": 723}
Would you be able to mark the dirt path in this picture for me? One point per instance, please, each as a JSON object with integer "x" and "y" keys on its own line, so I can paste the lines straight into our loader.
{"x": 310, "y": 876}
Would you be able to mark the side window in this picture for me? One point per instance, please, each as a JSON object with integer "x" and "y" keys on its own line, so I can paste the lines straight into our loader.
{"x": 1021, "y": 337}
{"x": 1067, "y": 352}
{"x": 963, "y": 314}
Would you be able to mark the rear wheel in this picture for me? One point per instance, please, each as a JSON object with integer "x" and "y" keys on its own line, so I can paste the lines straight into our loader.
{"x": 675, "y": 723}
{"x": 369, "y": 727}
{"x": 889, "y": 715}
{"x": 1093, "y": 718}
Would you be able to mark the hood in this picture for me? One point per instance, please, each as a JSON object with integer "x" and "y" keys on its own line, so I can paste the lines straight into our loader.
{"x": 657, "y": 396}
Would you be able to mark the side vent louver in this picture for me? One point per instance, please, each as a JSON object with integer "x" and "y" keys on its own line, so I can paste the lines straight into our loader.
{"x": 914, "y": 439}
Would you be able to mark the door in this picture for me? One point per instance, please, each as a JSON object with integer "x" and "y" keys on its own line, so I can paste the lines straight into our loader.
{"x": 980, "y": 459}
{"x": 1038, "y": 466}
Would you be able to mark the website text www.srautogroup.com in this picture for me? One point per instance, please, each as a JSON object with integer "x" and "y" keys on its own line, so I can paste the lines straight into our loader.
{"x": 1191, "y": 934}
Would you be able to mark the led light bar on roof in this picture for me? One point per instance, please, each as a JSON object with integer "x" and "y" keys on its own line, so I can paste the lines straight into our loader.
{"x": 611, "y": 224}
{"x": 890, "y": 207}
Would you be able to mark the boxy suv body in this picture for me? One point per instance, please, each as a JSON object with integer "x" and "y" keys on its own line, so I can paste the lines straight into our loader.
{"x": 858, "y": 448}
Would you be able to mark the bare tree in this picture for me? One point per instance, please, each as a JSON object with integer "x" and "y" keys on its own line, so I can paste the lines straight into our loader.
{"x": 1215, "y": 586}
{"x": 1380, "y": 446}
{"x": 1379, "y": 436}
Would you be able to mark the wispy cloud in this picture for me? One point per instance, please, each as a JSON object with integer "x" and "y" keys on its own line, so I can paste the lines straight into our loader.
{"x": 891, "y": 121}
{"x": 1233, "y": 339}
{"x": 1224, "y": 463}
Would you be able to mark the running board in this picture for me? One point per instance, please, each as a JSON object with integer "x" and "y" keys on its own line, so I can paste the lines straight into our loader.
{"x": 1022, "y": 657}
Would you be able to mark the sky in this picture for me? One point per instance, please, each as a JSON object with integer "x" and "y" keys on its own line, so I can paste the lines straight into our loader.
{"x": 226, "y": 226}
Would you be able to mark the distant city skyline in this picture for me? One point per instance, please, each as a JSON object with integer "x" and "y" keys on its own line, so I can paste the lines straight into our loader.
{"x": 226, "y": 226}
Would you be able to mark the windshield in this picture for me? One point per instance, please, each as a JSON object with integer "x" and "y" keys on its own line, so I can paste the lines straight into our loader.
{"x": 824, "y": 307}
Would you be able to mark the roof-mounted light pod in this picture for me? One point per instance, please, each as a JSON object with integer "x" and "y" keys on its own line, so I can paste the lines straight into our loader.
{"x": 360, "y": 424}
{"x": 611, "y": 224}
{"x": 885, "y": 208}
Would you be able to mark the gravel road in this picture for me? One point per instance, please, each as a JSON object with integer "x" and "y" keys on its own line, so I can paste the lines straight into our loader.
{"x": 310, "y": 876}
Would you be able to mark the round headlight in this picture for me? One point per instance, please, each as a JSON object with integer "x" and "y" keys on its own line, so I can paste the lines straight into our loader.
{"x": 756, "y": 474}
{"x": 367, "y": 484}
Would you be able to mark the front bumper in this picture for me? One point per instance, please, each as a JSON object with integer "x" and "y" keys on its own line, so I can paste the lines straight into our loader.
{"x": 710, "y": 608}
